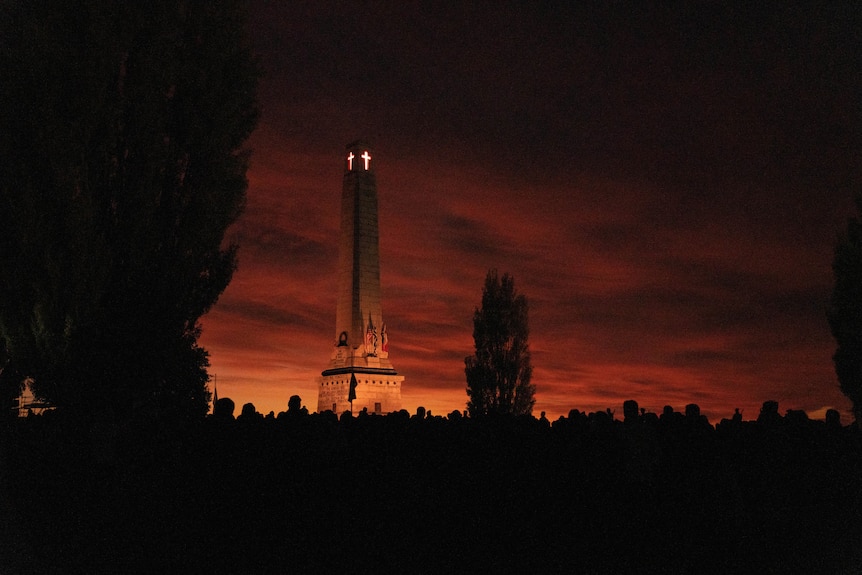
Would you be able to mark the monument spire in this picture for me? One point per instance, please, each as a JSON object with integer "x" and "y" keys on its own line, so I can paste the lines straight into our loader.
{"x": 360, "y": 374}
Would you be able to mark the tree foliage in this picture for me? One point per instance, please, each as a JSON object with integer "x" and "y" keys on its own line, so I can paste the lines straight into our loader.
{"x": 122, "y": 127}
{"x": 499, "y": 372}
{"x": 845, "y": 311}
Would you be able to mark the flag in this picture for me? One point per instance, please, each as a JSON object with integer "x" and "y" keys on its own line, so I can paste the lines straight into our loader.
{"x": 370, "y": 338}
{"x": 385, "y": 336}
{"x": 352, "y": 394}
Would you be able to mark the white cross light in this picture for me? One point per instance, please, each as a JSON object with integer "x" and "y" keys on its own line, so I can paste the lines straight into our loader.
{"x": 350, "y": 157}
{"x": 367, "y": 157}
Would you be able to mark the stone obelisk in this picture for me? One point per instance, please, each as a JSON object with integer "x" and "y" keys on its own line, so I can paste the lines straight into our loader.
{"x": 360, "y": 375}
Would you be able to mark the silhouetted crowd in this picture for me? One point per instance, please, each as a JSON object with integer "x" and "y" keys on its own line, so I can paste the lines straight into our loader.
{"x": 422, "y": 493}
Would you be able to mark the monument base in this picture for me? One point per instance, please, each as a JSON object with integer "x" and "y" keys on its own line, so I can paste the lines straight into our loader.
{"x": 378, "y": 391}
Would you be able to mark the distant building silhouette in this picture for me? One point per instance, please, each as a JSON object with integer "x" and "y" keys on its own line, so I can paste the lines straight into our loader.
{"x": 26, "y": 403}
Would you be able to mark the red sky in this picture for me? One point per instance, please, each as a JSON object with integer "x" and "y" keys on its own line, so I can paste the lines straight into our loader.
{"x": 666, "y": 188}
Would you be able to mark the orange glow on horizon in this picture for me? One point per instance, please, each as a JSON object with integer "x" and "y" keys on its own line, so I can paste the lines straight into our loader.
{"x": 606, "y": 326}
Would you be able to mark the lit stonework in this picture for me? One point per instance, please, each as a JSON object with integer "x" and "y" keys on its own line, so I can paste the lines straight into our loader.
{"x": 360, "y": 356}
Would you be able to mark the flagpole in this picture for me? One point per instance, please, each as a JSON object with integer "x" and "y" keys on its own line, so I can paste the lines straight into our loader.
{"x": 351, "y": 394}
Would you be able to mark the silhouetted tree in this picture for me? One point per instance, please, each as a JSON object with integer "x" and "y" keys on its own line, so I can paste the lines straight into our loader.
{"x": 845, "y": 311}
{"x": 10, "y": 387}
{"x": 499, "y": 372}
{"x": 121, "y": 167}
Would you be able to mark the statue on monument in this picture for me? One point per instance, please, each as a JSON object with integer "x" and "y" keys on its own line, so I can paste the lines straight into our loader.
{"x": 384, "y": 345}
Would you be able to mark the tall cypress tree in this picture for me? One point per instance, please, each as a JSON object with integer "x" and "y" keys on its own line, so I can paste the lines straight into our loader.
{"x": 845, "y": 311}
{"x": 122, "y": 127}
{"x": 499, "y": 372}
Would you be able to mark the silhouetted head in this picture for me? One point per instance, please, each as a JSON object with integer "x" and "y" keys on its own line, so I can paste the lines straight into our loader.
{"x": 294, "y": 404}
{"x": 420, "y": 412}
{"x": 223, "y": 408}
{"x": 601, "y": 417}
{"x": 248, "y": 411}
{"x": 630, "y": 410}
{"x": 769, "y": 407}
{"x": 769, "y": 412}
{"x": 692, "y": 411}
{"x": 833, "y": 418}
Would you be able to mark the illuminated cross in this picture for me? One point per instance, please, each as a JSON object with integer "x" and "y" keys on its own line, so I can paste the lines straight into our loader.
{"x": 350, "y": 162}
{"x": 367, "y": 157}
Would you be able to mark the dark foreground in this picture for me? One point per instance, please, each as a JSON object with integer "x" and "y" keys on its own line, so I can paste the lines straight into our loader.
{"x": 397, "y": 494}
